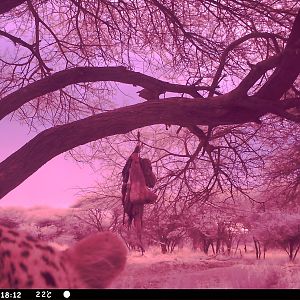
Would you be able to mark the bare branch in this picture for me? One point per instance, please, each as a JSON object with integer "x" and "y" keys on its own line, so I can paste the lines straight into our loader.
{"x": 64, "y": 78}
{"x": 233, "y": 45}
{"x": 32, "y": 48}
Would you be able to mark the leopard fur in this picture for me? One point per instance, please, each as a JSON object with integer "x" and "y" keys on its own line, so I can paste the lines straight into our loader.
{"x": 26, "y": 262}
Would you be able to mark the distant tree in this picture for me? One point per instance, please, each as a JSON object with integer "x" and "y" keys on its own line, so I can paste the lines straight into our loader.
{"x": 99, "y": 219}
{"x": 11, "y": 217}
{"x": 276, "y": 229}
{"x": 218, "y": 228}
{"x": 10, "y": 223}
{"x": 282, "y": 176}
{"x": 165, "y": 230}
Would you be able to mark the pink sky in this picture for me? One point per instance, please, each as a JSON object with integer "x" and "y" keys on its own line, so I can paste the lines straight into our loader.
{"x": 55, "y": 184}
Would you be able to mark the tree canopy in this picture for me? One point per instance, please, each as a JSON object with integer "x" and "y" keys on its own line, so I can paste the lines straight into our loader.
{"x": 217, "y": 70}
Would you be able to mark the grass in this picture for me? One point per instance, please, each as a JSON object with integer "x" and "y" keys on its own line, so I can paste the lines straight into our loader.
{"x": 187, "y": 269}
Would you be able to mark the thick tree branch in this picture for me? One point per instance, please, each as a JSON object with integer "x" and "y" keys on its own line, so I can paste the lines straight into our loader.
{"x": 221, "y": 110}
{"x": 64, "y": 78}
{"x": 7, "y": 5}
{"x": 17, "y": 40}
{"x": 257, "y": 71}
{"x": 289, "y": 68}
{"x": 232, "y": 46}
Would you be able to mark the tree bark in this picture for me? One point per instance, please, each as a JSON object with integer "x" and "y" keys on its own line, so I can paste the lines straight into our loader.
{"x": 7, "y": 5}
{"x": 288, "y": 70}
{"x": 65, "y": 78}
{"x": 51, "y": 142}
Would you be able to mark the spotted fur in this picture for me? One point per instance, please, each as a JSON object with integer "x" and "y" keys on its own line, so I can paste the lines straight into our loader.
{"x": 28, "y": 263}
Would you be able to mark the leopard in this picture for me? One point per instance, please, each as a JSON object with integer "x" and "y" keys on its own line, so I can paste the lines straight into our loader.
{"x": 27, "y": 262}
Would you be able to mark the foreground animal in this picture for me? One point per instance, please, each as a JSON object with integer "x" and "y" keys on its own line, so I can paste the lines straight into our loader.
{"x": 28, "y": 263}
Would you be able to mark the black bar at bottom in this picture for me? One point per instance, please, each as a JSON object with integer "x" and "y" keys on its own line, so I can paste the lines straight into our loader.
{"x": 157, "y": 294}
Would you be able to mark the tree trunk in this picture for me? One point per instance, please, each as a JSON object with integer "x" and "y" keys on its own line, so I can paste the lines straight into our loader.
{"x": 205, "y": 246}
{"x": 257, "y": 248}
{"x": 163, "y": 248}
{"x": 296, "y": 252}
{"x": 212, "y": 247}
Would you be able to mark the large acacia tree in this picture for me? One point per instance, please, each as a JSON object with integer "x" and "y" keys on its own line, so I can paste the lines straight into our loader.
{"x": 200, "y": 65}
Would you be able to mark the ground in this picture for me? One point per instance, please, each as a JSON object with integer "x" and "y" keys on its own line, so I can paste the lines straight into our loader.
{"x": 188, "y": 269}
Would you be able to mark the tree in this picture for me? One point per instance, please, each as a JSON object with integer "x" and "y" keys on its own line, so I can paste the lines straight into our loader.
{"x": 282, "y": 176}
{"x": 276, "y": 229}
{"x": 166, "y": 230}
{"x": 60, "y": 61}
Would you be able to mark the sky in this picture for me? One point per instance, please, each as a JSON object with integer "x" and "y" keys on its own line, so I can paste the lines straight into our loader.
{"x": 55, "y": 184}
{"x": 59, "y": 181}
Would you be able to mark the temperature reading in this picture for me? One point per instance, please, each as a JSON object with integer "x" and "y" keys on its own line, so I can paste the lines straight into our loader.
{"x": 43, "y": 294}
